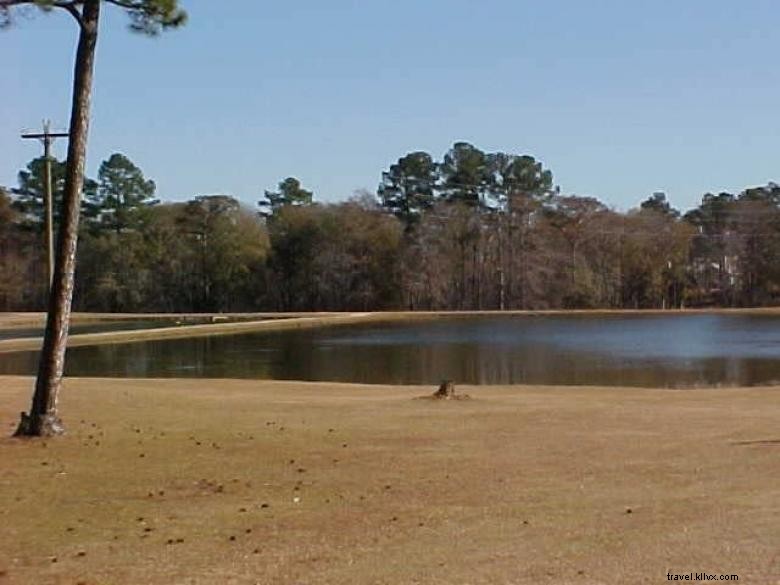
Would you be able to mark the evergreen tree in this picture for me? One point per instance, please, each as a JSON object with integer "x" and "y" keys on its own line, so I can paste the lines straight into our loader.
{"x": 518, "y": 176}
{"x": 465, "y": 175}
{"x": 408, "y": 187}
{"x": 657, "y": 202}
{"x": 290, "y": 193}
{"x": 123, "y": 194}
{"x": 29, "y": 196}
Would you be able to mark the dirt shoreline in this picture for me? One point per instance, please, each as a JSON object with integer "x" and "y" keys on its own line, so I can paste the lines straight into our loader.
{"x": 282, "y": 321}
{"x": 236, "y": 481}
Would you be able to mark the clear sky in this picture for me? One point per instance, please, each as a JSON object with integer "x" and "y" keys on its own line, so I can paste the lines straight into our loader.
{"x": 619, "y": 98}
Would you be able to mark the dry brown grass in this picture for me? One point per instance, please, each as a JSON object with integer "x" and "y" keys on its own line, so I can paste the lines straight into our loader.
{"x": 174, "y": 481}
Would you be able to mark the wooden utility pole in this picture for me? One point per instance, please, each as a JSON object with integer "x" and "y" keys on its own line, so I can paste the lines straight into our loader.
{"x": 47, "y": 138}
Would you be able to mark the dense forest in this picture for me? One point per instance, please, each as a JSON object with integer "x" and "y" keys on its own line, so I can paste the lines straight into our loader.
{"x": 474, "y": 230}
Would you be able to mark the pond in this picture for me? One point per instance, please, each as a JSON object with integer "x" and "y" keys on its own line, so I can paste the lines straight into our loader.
{"x": 634, "y": 350}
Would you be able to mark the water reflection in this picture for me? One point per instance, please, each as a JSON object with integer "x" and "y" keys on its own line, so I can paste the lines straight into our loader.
{"x": 665, "y": 351}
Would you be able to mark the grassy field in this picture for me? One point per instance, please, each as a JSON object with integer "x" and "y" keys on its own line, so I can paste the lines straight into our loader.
{"x": 226, "y": 481}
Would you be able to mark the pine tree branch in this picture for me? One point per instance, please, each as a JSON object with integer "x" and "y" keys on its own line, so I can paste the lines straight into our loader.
{"x": 70, "y": 5}
{"x": 127, "y": 4}
{"x": 146, "y": 16}
{"x": 71, "y": 8}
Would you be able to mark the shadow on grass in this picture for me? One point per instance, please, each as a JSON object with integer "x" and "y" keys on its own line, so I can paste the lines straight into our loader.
{"x": 765, "y": 442}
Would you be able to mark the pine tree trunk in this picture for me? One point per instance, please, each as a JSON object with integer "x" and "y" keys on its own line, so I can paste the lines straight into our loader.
{"x": 43, "y": 419}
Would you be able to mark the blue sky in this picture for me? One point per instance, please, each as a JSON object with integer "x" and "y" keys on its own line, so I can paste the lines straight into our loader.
{"x": 618, "y": 98}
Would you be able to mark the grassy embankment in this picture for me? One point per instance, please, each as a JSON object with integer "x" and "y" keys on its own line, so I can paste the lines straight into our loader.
{"x": 215, "y": 481}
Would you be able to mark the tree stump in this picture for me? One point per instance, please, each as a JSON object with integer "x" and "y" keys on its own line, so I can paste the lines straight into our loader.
{"x": 446, "y": 390}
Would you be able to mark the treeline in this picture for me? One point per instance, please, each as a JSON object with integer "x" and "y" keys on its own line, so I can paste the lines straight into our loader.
{"x": 474, "y": 230}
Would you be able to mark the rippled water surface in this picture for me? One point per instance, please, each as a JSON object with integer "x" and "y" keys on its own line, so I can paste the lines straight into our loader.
{"x": 653, "y": 350}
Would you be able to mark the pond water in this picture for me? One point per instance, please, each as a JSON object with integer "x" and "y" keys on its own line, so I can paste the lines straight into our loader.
{"x": 634, "y": 350}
